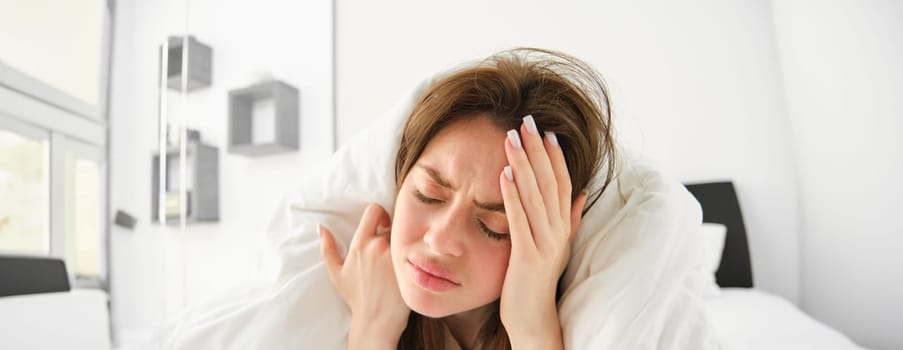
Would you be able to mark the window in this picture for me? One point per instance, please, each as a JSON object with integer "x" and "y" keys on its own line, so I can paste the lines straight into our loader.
{"x": 83, "y": 209}
{"x": 54, "y": 50}
{"x": 24, "y": 188}
{"x": 36, "y": 166}
{"x": 53, "y": 163}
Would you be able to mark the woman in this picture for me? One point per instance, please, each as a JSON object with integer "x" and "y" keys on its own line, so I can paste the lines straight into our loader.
{"x": 490, "y": 175}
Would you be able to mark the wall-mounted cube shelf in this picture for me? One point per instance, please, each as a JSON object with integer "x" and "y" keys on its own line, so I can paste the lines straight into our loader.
{"x": 263, "y": 119}
{"x": 202, "y": 187}
{"x": 200, "y": 64}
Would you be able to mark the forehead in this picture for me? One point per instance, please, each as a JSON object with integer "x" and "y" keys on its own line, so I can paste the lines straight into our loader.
{"x": 467, "y": 150}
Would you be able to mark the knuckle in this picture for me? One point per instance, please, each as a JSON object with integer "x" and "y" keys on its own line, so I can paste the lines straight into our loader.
{"x": 372, "y": 209}
{"x": 565, "y": 186}
{"x": 550, "y": 184}
{"x": 565, "y": 183}
{"x": 381, "y": 244}
{"x": 376, "y": 246}
{"x": 533, "y": 196}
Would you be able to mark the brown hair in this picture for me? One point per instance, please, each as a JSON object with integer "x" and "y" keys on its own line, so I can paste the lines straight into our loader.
{"x": 562, "y": 93}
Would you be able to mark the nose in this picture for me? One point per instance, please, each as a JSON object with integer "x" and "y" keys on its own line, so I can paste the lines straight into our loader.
{"x": 446, "y": 233}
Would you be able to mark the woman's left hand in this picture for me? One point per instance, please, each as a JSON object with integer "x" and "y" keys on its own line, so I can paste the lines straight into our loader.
{"x": 536, "y": 190}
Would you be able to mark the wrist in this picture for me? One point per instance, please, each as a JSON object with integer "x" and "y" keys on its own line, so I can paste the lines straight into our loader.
{"x": 548, "y": 337}
{"x": 369, "y": 334}
{"x": 541, "y": 330}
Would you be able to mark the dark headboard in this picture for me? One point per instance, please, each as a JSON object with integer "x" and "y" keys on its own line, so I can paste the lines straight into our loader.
{"x": 720, "y": 205}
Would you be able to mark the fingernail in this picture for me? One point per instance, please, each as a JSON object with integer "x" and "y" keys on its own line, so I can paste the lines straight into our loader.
{"x": 553, "y": 139}
{"x": 514, "y": 137}
{"x": 508, "y": 173}
{"x": 381, "y": 229}
{"x": 531, "y": 125}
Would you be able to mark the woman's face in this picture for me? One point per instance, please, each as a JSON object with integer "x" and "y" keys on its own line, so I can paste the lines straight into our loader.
{"x": 449, "y": 235}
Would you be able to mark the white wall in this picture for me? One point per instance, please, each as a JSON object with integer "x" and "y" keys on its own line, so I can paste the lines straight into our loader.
{"x": 844, "y": 80}
{"x": 156, "y": 270}
{"x": 696, "y": 86}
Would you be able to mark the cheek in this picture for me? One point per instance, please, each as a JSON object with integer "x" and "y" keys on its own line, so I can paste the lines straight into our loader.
{"x": 406, "y": 228}
{"x": 493, "y": 264}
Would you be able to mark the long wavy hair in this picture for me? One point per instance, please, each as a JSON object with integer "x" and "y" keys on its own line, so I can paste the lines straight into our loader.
{"x": 562, "y": 93}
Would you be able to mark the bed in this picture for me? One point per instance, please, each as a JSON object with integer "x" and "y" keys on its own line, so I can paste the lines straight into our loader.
{"x": 744, "y": 317}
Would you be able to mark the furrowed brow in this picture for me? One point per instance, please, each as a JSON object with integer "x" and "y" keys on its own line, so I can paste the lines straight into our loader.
{"x": 437, "y": 177}
{"x": 496, "y": 207}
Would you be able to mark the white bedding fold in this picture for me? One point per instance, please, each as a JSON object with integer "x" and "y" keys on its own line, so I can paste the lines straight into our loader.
{"x": 633, "y": 281}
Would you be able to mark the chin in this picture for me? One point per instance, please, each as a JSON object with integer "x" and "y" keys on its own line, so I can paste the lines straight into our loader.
{"x": 431, "y": 314}
{"x": 426, "y": 305}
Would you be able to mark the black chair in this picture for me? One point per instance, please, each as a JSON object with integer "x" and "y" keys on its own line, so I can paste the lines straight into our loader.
{"x": 30, "y": 274}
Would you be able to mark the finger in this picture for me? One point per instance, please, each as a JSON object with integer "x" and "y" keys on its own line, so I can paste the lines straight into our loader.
{"x": 385, "y": 224}
{"x": 329, "y": 253}
{"x": 560, "y": 168}
{"x": 525, "y": 182}
{"x": 373, "y": 216}
{"x": 518, "y": 225}
{"x": 576, "y": 214}
{"x": 546, "y": 178}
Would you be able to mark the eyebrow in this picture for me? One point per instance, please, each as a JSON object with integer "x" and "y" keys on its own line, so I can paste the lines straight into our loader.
{"x": 437, "y": 177}
{"x": 496, "y": 207}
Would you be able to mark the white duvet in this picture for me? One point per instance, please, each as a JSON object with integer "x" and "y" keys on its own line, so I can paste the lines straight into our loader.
{"x": 632, "y": 282}
{"x": 748, "y": 319}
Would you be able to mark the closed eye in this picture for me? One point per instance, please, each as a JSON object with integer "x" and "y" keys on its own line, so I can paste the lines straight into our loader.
{"x": 483, "y": 228}
{"x": 424, "y": 199}
{"x": 492, "y": 234}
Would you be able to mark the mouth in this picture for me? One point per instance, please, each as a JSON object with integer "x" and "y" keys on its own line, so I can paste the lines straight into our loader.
{"x": 431, "y": 276}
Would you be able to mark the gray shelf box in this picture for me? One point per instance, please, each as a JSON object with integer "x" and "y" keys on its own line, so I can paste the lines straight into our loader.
{"x": 203, "y": 194}
{"x": 285, "y": 101}
{"x": 200, "y": 64}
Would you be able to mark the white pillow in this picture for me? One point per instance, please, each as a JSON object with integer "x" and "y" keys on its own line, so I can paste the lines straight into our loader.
{"x": 629, "y": 283}
{"x": 713, "y": 236}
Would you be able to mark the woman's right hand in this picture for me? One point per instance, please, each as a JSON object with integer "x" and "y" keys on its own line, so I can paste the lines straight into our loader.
{"x": 366, "y": 281}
